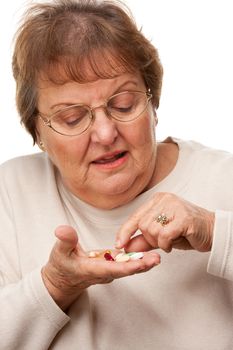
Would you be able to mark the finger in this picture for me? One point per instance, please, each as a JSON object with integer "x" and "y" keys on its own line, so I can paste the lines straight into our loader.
{"x": 112, "y": 269}
{"x": 138, "y": 244}
{"x": 67, "y": 240}
{"x": 169, "y": 236}
{"x": 181, "y": 243}
{"x": 149, "y": 261}
{"x": 128, "y": 229}
{"x": 165, "y": 244}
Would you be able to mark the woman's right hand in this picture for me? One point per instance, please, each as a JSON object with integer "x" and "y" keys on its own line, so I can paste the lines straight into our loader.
{"x": 70, "y": 270}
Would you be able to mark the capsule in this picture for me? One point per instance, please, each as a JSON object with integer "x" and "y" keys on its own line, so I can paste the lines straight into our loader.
{"x": 108, "y": 256}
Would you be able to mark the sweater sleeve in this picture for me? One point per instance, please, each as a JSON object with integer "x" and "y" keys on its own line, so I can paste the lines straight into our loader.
{"x": 29, "y": 317}
{"x": 221, "y": 258}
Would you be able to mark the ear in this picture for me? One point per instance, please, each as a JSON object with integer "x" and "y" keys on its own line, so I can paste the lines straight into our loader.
{"x": 41, "y": 145}
{"x": 39, "y": 141}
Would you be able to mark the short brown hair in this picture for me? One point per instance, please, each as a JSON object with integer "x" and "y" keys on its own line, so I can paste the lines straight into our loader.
{"x": 74, "y": 35}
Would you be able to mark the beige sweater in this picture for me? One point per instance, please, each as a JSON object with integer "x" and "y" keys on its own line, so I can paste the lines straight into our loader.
{"x": 186, "y": 303}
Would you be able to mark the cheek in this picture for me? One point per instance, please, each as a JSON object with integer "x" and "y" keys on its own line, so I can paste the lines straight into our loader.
{"x": 142, "y": 131}
{"x": 66, "y": 153}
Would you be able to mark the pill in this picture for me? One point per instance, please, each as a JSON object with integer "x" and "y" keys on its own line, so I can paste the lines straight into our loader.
{"x": 136, "y": 255}
{"x": 93, "y": 254}
{"x": 101, "y": 254}
{"x": 108, "y": 256}
{"x": 119, "y": 255}
{"x": 122, "y": 257}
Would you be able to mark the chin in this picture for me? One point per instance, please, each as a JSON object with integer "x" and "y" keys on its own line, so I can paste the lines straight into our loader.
{"x": 116, "y": 186}
{"x": 110, "y": 194}
{"x": 113, "y": 190}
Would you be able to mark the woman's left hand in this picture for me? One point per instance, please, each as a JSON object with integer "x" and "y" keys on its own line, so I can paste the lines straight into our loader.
{"x": 188, "y": 226}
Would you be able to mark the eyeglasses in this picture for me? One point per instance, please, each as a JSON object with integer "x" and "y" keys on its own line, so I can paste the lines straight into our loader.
{"x": 76, "y": 119}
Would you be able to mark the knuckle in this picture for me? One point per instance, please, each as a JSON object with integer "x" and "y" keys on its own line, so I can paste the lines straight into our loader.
{"x": 156, "y": 197}
{"x": 134, "y": 217}
{"x": 143, "y": 225}
{"x": 170, "y": 196}
{"x": 165, "y": 245}
{"x": 151, "y": 229}
{"x": 159, "y": 196}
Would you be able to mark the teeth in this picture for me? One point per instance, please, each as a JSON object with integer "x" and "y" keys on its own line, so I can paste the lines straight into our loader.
{"x": 109, "y": 159}
{"x": 106, "y": 160}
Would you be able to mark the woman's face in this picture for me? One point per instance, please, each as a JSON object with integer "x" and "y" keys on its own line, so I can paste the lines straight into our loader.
{"x": 111, "y": 162}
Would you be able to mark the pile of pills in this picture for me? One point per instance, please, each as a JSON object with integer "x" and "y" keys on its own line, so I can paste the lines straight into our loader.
{"x": 129, "y": 256}
{"x": 121, "y": 257}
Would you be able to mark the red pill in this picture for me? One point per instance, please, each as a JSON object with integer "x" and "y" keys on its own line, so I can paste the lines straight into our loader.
{"x": 108, "y": 256}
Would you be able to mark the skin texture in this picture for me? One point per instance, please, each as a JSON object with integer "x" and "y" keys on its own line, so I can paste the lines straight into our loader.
{"x": 69, "y": 270}
{"x": 188, "y": 227}
{"x": 112, "y": 185}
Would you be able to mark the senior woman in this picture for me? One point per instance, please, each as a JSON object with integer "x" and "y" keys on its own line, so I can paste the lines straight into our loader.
{"x": 88, "y": 87}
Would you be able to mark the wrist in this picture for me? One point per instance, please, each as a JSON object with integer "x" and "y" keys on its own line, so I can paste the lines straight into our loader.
{"x": 61, "y": 294}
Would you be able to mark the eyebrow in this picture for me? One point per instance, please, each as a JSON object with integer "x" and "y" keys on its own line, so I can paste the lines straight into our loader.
{"x": 125, "y": 83}
{"x": 119, "y": 89}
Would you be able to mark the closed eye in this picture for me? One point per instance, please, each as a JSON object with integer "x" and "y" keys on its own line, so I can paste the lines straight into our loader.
{"x": 122, "y": 109}
{"x": 71, "y": 117}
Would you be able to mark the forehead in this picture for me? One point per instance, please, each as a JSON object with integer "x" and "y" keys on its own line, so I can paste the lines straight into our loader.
{"x": 44, "y": 81}
{"x": 51, "y": 94}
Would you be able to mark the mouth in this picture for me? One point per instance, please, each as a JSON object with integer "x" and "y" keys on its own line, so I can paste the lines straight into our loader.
{"x": 110, "y": 158}
{"x": 110, "y": 161}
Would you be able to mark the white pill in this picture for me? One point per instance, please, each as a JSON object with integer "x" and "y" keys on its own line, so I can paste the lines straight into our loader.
{"x": 122, "y": 257}
{"x": 136, "y": 255}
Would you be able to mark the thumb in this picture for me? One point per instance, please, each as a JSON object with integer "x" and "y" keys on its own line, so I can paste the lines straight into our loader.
{"x": 67, "y": 239}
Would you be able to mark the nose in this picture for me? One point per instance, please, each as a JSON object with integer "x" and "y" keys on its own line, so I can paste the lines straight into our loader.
{"x": 104, "y": 128}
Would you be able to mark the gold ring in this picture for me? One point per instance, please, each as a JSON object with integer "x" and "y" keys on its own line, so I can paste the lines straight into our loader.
{"x": 162, "y": 219}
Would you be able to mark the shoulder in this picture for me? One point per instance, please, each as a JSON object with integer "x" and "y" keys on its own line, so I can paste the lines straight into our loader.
{"x": 209, "y": 169}
{"x": 211, "y": 156}
{"x": 27, "y": 160}
{"x": 204, "y": 175}
{"x": 198, "y": 161}
{"x": 25, "y": 169}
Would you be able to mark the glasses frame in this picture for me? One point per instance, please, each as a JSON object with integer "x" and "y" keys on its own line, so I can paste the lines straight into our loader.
{"x": 48, "y": 119}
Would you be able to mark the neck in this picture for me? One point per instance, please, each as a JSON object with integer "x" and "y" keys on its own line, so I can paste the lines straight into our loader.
{"x": 167, "y": 155}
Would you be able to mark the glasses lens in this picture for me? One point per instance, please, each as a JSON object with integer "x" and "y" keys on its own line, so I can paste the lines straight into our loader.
{"x": 71, "y": 120}
{"x": 127, "y": 106}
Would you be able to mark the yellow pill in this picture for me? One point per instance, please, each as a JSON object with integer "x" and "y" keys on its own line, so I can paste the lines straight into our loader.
{"x": 93, "y": 254}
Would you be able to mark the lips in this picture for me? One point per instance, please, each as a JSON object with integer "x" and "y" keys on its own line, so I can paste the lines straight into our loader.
{"x": 109, "y": 158}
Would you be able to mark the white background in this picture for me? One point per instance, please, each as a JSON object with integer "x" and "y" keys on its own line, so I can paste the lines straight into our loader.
{"x": 195, "y": 42}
